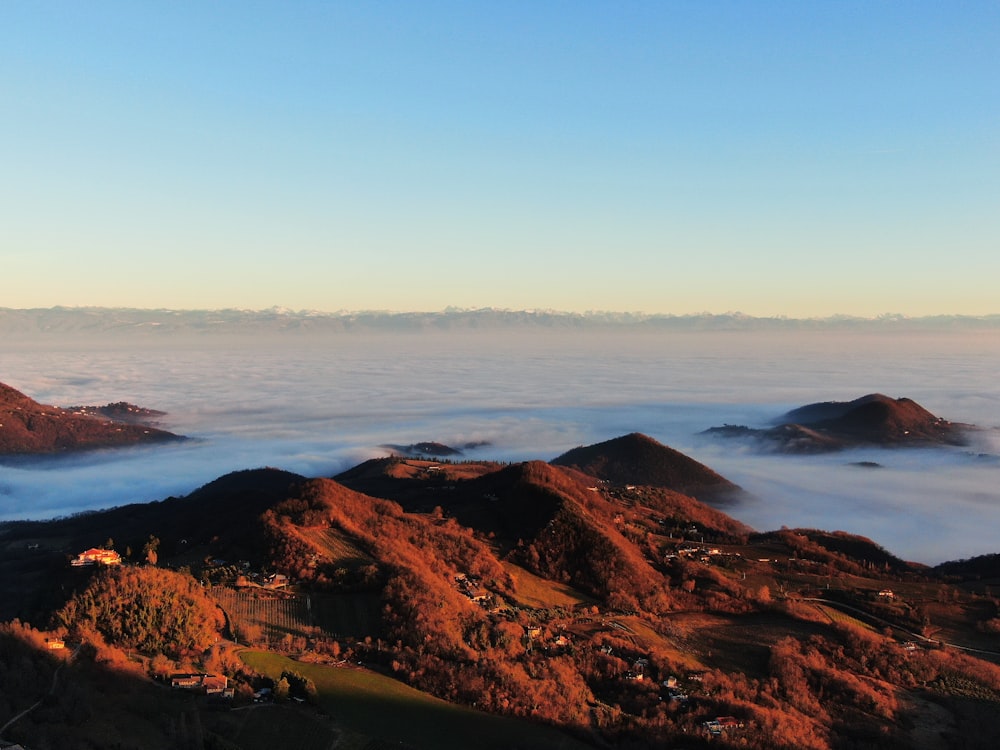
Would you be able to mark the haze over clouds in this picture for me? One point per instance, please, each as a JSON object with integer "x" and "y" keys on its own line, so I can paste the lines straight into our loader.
{"x": 319, "y": 405}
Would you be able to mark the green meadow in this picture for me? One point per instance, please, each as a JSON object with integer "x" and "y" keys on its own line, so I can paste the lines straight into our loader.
{"x": 373, "y": 706}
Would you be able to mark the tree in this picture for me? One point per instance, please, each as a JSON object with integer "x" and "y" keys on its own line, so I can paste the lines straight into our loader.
{"x": 149, "y": 550}
{"x": 281, "y": 689}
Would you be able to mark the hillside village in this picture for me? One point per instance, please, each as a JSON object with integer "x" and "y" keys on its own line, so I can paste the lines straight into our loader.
{"x": 616, "y": 613}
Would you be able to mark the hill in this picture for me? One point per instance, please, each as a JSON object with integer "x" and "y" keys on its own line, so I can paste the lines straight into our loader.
{"x": 30, "y": 428}
{"x": 623, "y": 614}
{"x": 872, "y": 420}
{"x": 637, "y": 459}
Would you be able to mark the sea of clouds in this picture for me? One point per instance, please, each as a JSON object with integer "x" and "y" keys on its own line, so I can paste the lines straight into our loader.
{"x": 318, "y": 404}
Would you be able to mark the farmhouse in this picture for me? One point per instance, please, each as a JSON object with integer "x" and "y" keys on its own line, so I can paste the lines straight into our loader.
{"x": 95, "y": 556}
{"x": 210, "y": 684}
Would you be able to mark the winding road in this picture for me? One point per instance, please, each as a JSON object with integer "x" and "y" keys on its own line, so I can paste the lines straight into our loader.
{"x": 916, "y": 636}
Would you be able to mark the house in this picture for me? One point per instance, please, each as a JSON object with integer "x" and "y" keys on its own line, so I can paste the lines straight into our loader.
{"x": 187, "y": 681}
{"x": 55, "y": 644}
{"x": 886, "y": 594}
{"x": 210, "y": 684}
{"x": 95, "y": 556}
{"x": 214, "y": 684}
{"x": 720, "y": 724}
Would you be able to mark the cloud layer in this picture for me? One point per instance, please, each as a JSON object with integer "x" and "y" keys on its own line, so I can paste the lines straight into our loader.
{"x": 319, "y": 405}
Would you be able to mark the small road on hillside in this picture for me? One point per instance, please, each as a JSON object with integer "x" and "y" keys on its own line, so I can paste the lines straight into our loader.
{"x": 916, "y": 636}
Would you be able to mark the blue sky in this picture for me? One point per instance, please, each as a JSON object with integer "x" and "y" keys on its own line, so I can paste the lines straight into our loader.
{"x": 799, "y": 158}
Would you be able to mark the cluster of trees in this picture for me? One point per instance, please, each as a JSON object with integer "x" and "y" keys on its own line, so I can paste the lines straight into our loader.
{"x": 291, "y": 684}
{"x": 151, "y": 610}
{"x": 839, "y": 552}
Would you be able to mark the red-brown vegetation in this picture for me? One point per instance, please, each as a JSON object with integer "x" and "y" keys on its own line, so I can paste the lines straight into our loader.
{"x": 28, "y": 427}
{"x": 144, "y": 608}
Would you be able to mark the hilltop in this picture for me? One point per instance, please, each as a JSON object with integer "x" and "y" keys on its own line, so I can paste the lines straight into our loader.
{"x": 638, "y": 459}
{"x": 612, "y": 611}
{"x": 872, "y": 420}
{"x": 30, "y": 428}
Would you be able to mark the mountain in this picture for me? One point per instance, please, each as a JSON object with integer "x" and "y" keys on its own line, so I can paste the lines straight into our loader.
{"x": 143, "y": 324}
{"x": 28, "y": 427}
{"x": 612, "y": 613}
{"x": 637, "y": 459}
{"x": 874, "y": 419}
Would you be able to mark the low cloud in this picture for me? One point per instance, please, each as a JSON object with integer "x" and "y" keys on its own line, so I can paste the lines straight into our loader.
{"x": 320, "y": 408}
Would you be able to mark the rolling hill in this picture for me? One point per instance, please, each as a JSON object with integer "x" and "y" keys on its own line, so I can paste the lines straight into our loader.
{"x": 637, "y": 459}
{"x": 872, "y": 420}
{"x": 593, "y": 598}
{"x": 30, "y": 428}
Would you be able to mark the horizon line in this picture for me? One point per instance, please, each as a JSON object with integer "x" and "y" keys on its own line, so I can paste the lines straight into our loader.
{"x": 553, "y": 312}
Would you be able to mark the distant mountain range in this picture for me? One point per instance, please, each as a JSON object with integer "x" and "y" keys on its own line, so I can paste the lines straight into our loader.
{"x": 150, "y": 322}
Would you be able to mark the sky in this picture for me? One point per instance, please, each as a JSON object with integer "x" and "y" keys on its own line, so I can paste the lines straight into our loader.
{"x": 774, "y": 158}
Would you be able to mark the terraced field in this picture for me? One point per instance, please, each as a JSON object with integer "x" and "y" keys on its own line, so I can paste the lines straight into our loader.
{"x": 279, "y": 614}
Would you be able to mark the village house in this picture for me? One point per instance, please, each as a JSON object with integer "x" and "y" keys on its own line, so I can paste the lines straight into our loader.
{"x": 95, "y": 556}
{"x": 720, "y": 724}
{"x": 55, "y": 644}
{"x": 210, "y": 684}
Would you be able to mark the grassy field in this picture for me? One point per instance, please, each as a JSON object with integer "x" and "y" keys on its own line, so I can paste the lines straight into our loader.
{"x": 532, "y": 591}
{"x": 337, "y": 547}
{"x": 369, "y": 705}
